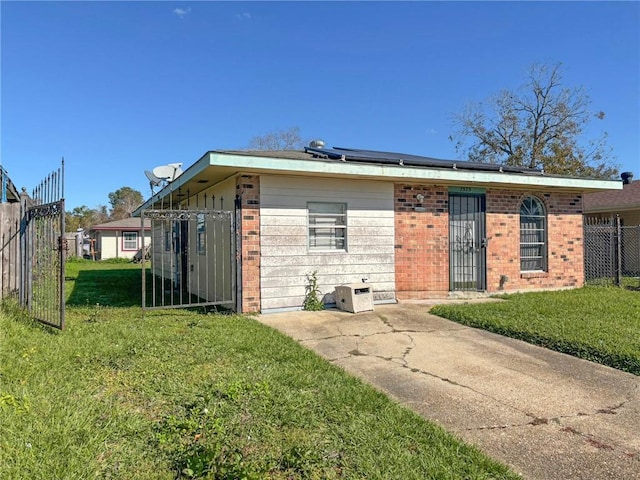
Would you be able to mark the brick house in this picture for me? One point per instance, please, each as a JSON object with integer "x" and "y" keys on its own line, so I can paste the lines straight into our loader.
{"x": 412, "y": 227}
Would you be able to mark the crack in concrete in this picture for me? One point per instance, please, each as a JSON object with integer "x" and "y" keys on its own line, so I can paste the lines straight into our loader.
{"x": 612, "y": 410}
{"x": 315, "y": 339}
{"x": 408, "y": 350}
{"x": 594, "y": 442}
{"x": 389, "y": 324}
{"x": 535, "y": 420}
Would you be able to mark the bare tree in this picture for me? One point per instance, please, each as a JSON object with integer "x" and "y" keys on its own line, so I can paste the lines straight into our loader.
{"x": 124, "y": 201}
{"x": 538, "y": 126}
{"x": 289, "y": 139}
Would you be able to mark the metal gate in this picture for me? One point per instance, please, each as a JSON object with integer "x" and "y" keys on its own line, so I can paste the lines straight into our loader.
{"x": 42, "y": 247}
{"x": 192, "y": 259}
{"x": 467, "y": 242}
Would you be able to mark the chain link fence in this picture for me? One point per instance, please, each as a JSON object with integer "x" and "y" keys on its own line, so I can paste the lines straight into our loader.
{"x": 611, "y": 252}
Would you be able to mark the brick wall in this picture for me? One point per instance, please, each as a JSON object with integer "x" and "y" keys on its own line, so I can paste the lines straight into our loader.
{"x": 248, "y": 189}
{"x": 422, "y": 241}
{"x": 564, "y": 237}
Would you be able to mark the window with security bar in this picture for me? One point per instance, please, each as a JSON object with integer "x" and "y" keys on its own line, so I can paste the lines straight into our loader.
{"x": 533, "y": 235}
{"x": 327, "y": 226}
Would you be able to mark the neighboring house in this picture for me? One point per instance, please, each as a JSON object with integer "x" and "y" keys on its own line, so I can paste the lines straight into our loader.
{"x": 8, "y": 191}
{"x": 117, "y": 239}
{"x": 608, "y": 204}
{"x": 600, "y": 210}
{"x": 412, "y": 227}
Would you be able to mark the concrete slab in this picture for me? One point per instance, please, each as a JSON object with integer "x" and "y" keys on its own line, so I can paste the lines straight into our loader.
{"x": 546, "y": 414}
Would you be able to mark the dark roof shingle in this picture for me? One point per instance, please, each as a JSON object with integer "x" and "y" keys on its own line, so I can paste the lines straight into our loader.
{"x": 627, "y": 198}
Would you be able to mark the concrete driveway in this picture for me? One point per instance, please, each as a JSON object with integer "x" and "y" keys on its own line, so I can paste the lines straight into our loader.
{"x": 545, "y": 414}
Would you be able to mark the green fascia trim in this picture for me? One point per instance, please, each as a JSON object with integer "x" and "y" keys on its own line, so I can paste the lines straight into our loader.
{"x": 334, "y": 168}
{"x": 397, "y": 172}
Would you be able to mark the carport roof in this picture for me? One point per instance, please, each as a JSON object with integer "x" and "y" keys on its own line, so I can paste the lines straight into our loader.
{"x": 218, "y": 165}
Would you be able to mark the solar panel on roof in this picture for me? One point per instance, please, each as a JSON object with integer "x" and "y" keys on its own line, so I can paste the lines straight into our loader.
{"x": 391, "y": 158}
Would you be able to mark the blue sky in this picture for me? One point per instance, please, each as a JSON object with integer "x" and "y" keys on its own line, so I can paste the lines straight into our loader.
{"x": 121, "y": 87}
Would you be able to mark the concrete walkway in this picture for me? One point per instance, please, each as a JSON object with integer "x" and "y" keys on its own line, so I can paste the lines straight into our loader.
{"x": 545, "y": 414}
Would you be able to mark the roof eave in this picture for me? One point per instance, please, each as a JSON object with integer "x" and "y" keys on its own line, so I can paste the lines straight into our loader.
{"x": 612, "y": 208}
{"x": 399, "y": 172}
{"x": 318, "y": 167}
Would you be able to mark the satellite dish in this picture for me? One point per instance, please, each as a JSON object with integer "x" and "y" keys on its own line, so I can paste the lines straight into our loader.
{"x": 154, "y": 181}
{"x": 164, "y": 172}
{"x": 177, "y": 171}
{"x": 168, "y": 172}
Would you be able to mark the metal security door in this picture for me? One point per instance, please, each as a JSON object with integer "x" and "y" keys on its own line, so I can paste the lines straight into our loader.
{"x": 467, "y": 242}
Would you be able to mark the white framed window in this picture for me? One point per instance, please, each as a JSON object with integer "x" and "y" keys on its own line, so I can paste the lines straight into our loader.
{"x": 130, "y": 240}
{"x": 327, "y": 226}
{"x": 533, "y": 235}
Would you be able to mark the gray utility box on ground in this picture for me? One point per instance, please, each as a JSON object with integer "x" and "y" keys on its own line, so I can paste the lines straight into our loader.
{"x": 354, "y": 297}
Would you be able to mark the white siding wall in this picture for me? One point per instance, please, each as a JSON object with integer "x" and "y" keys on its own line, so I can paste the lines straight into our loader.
{"x": 162, "y": 261}
{"x": 110, "y": 245}
{"x": 211, "y": 274}
{"x": 285, "y": 258}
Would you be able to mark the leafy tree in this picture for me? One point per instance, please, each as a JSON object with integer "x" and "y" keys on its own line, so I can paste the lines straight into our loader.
{"x": 289, "y": 139}
{"x": 85, "y": 217}
{"x": 540, "y": 125}
{"x": 123, "y": 202}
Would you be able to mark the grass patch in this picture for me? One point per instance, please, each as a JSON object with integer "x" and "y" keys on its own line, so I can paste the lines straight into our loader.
{"x": 600, "y": 324}
{"x": 115, "y": 284}
{"x": 178, "y": 394}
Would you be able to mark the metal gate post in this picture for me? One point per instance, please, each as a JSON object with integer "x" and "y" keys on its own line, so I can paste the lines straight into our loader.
{"x": 23, "y": 250}
{"x": 62, "y": 241}
{"x": 618, "y": 251}
{"x": 144, "y": 299}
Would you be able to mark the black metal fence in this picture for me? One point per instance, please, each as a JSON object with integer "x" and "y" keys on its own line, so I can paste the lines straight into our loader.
{"x": 33, "y": 250}
{"x": 43, "y": 250}
{"x": 192, "y": 259}
{"x": 611, "y": 251}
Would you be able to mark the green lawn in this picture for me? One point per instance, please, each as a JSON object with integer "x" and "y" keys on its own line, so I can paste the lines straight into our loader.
{"x": 601, "y": 324}
{"x": 179, "y": 394}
